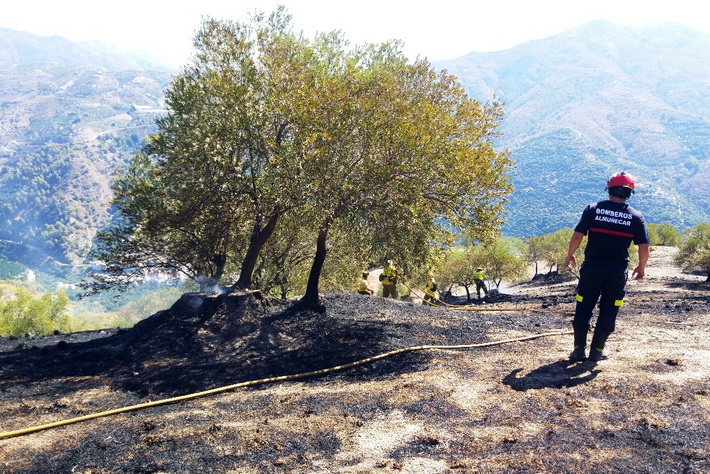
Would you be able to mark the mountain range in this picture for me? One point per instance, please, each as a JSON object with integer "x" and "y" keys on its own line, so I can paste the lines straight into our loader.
{"x": 594, "y": 100}
{"x": 70, "y": 115}
{"x": 579, "y": 106}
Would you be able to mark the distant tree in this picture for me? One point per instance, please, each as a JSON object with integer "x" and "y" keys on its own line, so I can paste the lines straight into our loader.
{"x": 536, "y": 250}
{"x": 552, "y": 249}
{"x": 458, "y": 267}
{"x": 504, "y": 259}
{"x": 664, "y": 234}
{"x": 22, "y": 313}
{"x": 694, "y": 251}
{"x": 557, "y": 245}
{"x": 501, "y": 259}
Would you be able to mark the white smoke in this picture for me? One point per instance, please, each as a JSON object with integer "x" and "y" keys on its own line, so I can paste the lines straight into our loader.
{"x": 209, "y": 285}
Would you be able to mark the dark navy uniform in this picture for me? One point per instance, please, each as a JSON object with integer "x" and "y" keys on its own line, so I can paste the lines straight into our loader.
{"x": 610, "y": 228}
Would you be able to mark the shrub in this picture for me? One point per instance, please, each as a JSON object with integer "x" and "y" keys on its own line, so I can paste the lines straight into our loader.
{"x": 694, "y": 251}
{"x": 22, "y": 313}
{"x": 664, "y": 234}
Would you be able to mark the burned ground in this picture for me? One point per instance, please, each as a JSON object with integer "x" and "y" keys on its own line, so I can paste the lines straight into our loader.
{"x": 519, "y": 407}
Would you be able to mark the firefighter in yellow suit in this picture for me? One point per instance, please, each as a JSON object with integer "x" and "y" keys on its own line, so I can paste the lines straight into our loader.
{"x": 479, "y": 278}
{"x": 430, "y": 291}
{"x": 364, "y": 287}
{"x": 388, "y": 277}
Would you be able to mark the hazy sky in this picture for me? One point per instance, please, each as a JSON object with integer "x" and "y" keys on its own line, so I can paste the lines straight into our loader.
{"x": 441, "y": 29}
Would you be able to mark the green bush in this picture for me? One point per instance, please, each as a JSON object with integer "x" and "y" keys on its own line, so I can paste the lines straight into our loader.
{"x": 22, "y": 313}
{"x": 10, "y": 270}
{"x": 664, "y": 234}
{"x": 694, "y": 251}
{"x": 99, "y": 313}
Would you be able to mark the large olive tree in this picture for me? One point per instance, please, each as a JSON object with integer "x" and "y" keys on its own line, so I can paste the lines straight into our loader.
{"x": 206, "y": 192}
{"x": 264, "y": 123}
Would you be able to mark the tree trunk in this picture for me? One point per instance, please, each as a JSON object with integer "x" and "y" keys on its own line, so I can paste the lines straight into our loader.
{"x": 219, "y": 260}
{"x": 259, "y": 236}
{"x": 311, "y": 299}
{"x": 211, "y": 283}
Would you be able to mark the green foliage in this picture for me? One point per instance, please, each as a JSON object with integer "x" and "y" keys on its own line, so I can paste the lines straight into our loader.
{"x": 501, "y": 259}
{"x": 552, "y": 249}
{"x": 22, "y": 313}
{"x": 10, "y": 270}
{"x": 136, "y": 305}
{"x": 694, "y": 251}
{"x": 548, "y": 170}
{"x": 264, "y": 124}
{"x": 99, "y": 311}
{"x": 212, "y": 182}
{"x": 64, "y": 141}
{"x": 664, "y": 234}
{"x": 31, "y": 202}
{"x": 346, "y": 260}
{"x": 39, "y": 208}
{"x": 505, "y": 259}
{"x": 457, "y": 267}
{"x": 284, "y": 263}
{"x": 158, "y": 231}
{"x": 397, "y": 152}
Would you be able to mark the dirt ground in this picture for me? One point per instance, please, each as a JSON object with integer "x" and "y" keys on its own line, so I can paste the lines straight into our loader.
{"x": 512, "y": 407}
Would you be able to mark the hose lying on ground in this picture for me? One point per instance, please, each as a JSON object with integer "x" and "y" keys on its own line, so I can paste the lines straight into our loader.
{"x": 281, "y": 378}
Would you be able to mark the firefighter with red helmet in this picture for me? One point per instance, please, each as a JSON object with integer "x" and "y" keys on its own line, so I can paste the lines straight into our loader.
{"x": 610, "y": 226}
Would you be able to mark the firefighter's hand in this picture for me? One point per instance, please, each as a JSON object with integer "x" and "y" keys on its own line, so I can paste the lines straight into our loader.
{"x": 638, "y": 273}
{"x": 570, "y": 262}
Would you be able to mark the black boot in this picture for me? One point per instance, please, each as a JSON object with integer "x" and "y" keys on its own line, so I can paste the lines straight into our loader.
{"x": 580, "y": 343}
{"x": 596, "y": 349}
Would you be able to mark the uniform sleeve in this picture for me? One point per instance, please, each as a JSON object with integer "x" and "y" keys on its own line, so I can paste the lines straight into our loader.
{"x": 641, "y": 235}
{"x": 585, "y": 221}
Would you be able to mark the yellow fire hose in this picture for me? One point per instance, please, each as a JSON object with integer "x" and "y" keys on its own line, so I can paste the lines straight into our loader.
{"x": 280, "y": 378}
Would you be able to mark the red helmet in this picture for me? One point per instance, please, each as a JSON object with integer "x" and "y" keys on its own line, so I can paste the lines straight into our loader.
{"x": 621, "y": 179}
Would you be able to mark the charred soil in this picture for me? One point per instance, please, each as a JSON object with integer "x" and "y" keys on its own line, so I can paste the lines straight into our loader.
{"x": 513, "y": 407}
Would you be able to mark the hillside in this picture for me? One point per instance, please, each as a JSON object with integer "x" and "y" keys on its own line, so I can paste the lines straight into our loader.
{"x": 509, "y": 407}
{"x": 579, "y": 106}
{"x": 18, "y": 47}
{"x": 70, "y": 116}
{"x": 595, "y": 100}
